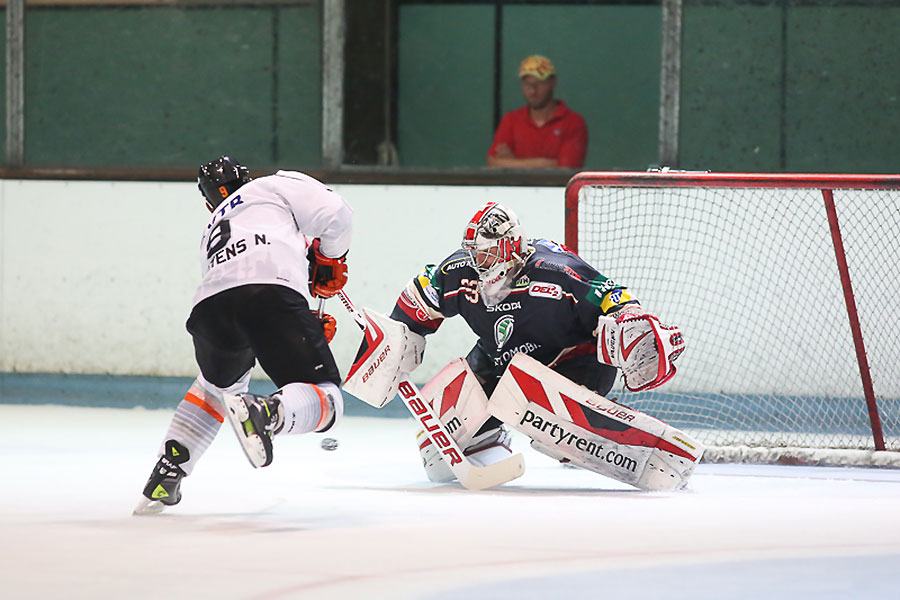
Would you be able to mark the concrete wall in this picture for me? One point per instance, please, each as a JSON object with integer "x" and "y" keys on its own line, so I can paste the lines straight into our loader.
{"x": 97, "y": 277}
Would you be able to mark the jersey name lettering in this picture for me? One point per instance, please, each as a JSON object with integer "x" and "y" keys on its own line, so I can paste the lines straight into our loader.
{"x": 227, "y": 253}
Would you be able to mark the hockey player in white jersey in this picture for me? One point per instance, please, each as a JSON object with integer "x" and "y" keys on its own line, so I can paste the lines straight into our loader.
{"x": 271, "y": 245}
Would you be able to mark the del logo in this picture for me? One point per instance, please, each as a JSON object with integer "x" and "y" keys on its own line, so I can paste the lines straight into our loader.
{"x": 543, "y": 289}
{"x": 503, "y": 329}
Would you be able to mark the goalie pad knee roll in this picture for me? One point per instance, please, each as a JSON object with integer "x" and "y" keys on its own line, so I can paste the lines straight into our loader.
{"x": 597, "y": 434}
{"x": 388, "y": 351}
{"x": 643, "y": 348}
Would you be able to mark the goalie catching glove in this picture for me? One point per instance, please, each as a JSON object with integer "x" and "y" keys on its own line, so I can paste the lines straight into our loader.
{"x": 326, "y": 275}
{"x": 637, "y": 343}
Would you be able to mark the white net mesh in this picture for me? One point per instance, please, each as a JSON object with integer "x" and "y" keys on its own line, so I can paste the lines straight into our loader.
{"x": 750, "y": 276}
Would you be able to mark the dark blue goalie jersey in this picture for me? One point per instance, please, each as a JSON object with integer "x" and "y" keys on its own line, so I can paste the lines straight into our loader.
{"x": 552, "y": 309}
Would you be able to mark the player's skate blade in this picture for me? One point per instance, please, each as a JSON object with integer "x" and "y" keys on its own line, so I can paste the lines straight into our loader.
{"x": 146, "y": 506}
{"x": 253, "y": 417}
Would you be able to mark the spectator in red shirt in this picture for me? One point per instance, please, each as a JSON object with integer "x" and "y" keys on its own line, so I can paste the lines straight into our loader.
{"x": 544, "y": 133}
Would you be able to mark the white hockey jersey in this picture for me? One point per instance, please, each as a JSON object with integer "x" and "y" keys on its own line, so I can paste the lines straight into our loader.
{"x": 261, "y": 232}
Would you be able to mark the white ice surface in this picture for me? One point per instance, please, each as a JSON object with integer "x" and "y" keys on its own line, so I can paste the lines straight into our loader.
{"x": 362, "y": 522}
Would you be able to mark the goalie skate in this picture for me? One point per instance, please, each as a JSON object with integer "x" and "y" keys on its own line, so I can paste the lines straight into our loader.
{"x": 253, "y": 419}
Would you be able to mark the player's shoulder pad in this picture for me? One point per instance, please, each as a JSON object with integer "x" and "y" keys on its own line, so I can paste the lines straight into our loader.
{"x": 457, "y": 265}
{"x": 433, "y": 280}
{"x": 447, "y": 277}
{"x": 558, "y": 264}
{"x": 423, "y": 286}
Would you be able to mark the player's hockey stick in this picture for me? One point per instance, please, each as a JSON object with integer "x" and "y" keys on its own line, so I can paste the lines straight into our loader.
{"x": 470, "y": 476}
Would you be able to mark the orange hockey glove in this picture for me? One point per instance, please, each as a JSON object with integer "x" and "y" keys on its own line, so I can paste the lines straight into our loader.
{"x": 329, "y": 325}
{"x": 326, "y": 275}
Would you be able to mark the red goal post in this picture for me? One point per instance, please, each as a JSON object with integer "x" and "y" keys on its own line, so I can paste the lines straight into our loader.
{"x": 787, "y": 288}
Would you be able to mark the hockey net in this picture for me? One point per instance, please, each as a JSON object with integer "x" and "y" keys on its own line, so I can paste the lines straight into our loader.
{"x": 787, "y": 289}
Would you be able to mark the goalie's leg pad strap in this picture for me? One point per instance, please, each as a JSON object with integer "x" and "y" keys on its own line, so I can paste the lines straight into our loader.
{"x": 592, "y": 431}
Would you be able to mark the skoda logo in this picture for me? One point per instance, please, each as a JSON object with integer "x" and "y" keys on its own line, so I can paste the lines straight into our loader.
{"x": 503, "y": 329}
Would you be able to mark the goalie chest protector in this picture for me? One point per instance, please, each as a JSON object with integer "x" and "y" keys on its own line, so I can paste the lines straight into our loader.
{"x": 554, "y": 304}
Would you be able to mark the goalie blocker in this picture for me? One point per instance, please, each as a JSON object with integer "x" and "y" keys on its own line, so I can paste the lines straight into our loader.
{"x": 388, "y": 351}
{"x": 566, "y": 420}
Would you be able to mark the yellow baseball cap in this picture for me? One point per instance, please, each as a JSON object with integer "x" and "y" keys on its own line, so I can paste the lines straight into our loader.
{"x": 537, "y": 66}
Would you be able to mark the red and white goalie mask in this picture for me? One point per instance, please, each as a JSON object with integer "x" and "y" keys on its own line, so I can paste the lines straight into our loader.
{"x": 496, "y": 243}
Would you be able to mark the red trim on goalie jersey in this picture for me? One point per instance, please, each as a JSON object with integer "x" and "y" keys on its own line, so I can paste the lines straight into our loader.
{"x": 374, "y": 337}
{"x": 629, "y": 436}
{"x": 416, "y": 313}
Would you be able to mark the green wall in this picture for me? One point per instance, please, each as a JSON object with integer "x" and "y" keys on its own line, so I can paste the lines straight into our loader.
{"x": 446, "y": 73}
{"x": 169, "y": 87}
{"x": 767, "y": 85}
{"x": 791, "y": 88}
{"x": 445, "y": 92}
{"x": 607, "y": 59}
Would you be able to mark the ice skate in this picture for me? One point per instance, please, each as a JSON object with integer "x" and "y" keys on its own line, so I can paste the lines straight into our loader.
{"x": 484, "y": 449}
{"x": 254, "y": 419}
{"x": 164, "y": 485}
{"x": 549, "y": 451}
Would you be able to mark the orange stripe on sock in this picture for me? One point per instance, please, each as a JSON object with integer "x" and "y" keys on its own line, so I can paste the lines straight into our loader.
{"x": 323, "y": 402}
{"x": 206, "y": 406}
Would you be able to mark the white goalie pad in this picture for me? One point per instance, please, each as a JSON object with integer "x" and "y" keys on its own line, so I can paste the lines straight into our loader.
{"x": 458, "y": 400}
{"x": 389, "y": 351}
{"x": 461, "y": 405}
{"x": 642, "y": 347}
{"x": 593, "y": 432}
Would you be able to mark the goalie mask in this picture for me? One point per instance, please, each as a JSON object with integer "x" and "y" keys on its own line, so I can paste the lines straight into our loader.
{"x": 219, "y": 179}
{"x": 497, "y": 246}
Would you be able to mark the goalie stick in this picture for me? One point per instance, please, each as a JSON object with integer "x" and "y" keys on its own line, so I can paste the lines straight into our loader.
{"x": 469, "y": 475}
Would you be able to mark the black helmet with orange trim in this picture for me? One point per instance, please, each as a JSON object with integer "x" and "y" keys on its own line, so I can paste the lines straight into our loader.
{"x": 219, "y": 179}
